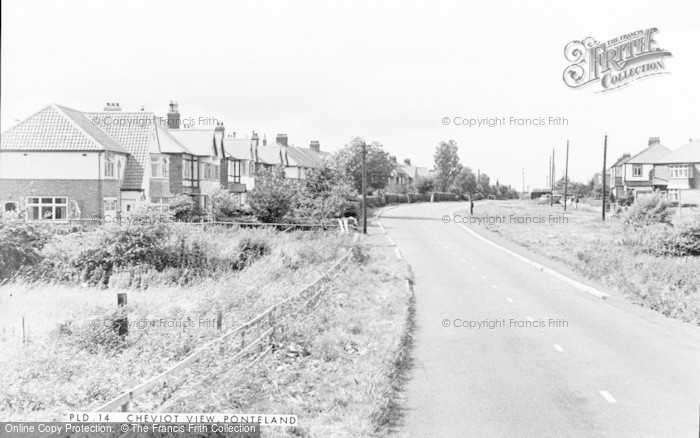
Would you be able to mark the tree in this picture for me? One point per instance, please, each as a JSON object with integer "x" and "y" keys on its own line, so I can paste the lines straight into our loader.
{"x": 378, "y": 165}
{"x": 447, "y": 164}
{"x": 323, "y": 193}
{"x": 272, "y": 196}
{"x": 595, "y": 186}
{"x": 223, "y": 203}
{"x": 424, "y": 184}
{"x": 465, "y": 182}
{"x": 483, "y": 185}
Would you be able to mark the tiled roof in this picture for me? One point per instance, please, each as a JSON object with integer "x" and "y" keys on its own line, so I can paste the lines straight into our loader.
{"x": 269, "y": 154}
{"x": 168, "y": 143}
{"x": 650, "y": 155}
{"x": 238, "y": 148}
{"x": 304, "y": 157}
{"x": 688, "y": 153}
{"x": 200, "y": 141}
{"x": 57, "y": 128}
{"x": 134, "y": 131}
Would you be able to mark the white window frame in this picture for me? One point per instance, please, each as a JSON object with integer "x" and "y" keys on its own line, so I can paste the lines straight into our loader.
{"x": 53, "y": 205}
{"x": 109, "y": 166}
{"x": 673, "y": 195}
{"x": 112, "y": 201}
{"x": 159, "y": 166}
{"x": 635, "y": 168}
{"x": 680, "y": 171}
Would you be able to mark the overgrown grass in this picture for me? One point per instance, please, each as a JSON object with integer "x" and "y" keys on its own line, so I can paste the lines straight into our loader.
{"x": 626, "y": 258}
{"x": 334, "y": 366}
{"x": 74, "y": 360}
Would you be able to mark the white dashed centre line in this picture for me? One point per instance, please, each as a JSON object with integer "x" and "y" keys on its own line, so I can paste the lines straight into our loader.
{"x": 558, "y": 348}
{"x": 606, "y": 395}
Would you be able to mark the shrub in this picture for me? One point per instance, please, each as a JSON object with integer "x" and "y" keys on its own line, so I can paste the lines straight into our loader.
{"x": 649, "y": 210}
{"x": 443, "y": 196}
{"x": 271, "y": 199}
{"x": 182, "y": 207}
{"x": 20, "y": 245}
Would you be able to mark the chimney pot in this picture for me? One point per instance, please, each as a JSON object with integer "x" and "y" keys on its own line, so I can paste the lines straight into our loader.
{"x": 315, "y": 146}
{"x": 282, "y": 139}
{"x": 407, "y": 161}
{"x": 173, "y": 116}
{"x": 653, "y": 140}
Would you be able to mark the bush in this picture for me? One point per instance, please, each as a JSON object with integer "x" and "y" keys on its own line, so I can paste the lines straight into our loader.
{"x": 416, "y": 197}
{"x": 182, "y": 207}
{"x": 272, "y": 197}
{"x": 20, "y": 245}
{"x": 442, "y": 196}
{"x": 224, "y": 204}
{"x": 648, "y": 210}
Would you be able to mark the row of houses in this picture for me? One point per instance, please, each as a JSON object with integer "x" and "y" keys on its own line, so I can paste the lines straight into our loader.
{"x": 61, "y": 163}
{"x": 658, "y": 169}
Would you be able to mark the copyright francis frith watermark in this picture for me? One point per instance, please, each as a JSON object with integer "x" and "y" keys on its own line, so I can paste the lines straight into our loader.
{"x": 614, "y": 63}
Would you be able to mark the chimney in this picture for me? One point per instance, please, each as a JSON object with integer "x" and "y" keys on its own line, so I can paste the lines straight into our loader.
{"x": 255, "y": 139}
{"x": 315, "y": 146}
{"x": 264, "y": 139}
{"x": 407, "y": 161}
{"x": 220, "y": 128}
{"x": 282, "y": 139}
{"x": 392, "y": 158}
{"x": 653, "y": 140}
{"x": 111, "y": 106}
{"x": 173, "y": 116}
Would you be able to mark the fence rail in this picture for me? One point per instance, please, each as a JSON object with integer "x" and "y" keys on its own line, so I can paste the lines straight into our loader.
{"x": 309, "y": 294}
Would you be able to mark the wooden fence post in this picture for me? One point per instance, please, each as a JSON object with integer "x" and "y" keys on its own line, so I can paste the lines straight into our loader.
{"x": 121, "y": 325}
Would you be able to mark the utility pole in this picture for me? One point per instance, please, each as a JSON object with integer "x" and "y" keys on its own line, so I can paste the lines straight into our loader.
{"x": 549, "y": 170}
{"x": 566, "y": 175}
{"x": 551, "y": 197}
{"x": 523, "y": 195}
{"x": 364, "y": 188}
{"x": 605, "y": 154}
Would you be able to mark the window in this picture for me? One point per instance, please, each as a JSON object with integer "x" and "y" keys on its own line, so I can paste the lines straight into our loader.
{"x": 234, "y": 169}
{"x": 673, "y": 195}
{"x": 159, "y": 166}
{"x": 636, "y": 170}
{"x": 109, "y": 166}
{"x": 52, "y": 209}
{"x": 163, "y": 203}
{"x": 680, "y": 171}
{"x": 217, "y": 172}
{"x": 10, "y": 206}
{"x": 187, "y": 168}
{"x": 110, "y": 207}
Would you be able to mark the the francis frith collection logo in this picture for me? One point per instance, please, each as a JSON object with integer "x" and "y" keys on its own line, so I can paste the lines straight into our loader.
{"x": 616, "y": 62}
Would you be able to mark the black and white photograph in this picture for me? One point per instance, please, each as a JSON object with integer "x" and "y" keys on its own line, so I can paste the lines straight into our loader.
{"x": 349, "y": 219}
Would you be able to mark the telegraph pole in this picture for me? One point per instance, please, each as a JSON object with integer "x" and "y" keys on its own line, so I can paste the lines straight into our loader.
{"x": 551, "y": 197}
{"x": 566, "y": 175}
{"x": 364, "y": 188}
{"x": 605, "y": 154}
{"x": 523, "y": 195}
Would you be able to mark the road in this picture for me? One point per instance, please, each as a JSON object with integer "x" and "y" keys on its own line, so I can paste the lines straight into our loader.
{"x": 560, "y": 363}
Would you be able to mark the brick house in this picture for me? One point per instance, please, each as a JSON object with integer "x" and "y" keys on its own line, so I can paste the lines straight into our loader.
{"x": 678, "y": 173}
{"x": 206, "y": 155}
{"x": 59, "y": 165}
{"x": 636, "y": 173}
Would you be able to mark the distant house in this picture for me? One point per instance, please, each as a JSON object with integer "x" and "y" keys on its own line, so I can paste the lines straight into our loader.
{"x": 59, "y": 165}
{"x": 615, "y": 177}
{"x": 205, "y": 159}
{"x": 637, "y": 172}
{"x": 679, "y": 174}
{"x": 246, "y": 156}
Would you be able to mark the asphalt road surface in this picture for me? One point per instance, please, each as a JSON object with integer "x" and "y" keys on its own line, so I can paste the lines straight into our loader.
{"x": 548, "y": 359}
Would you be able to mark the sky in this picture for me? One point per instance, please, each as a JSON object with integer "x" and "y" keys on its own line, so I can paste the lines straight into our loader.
{"x": 386, "y": 71}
